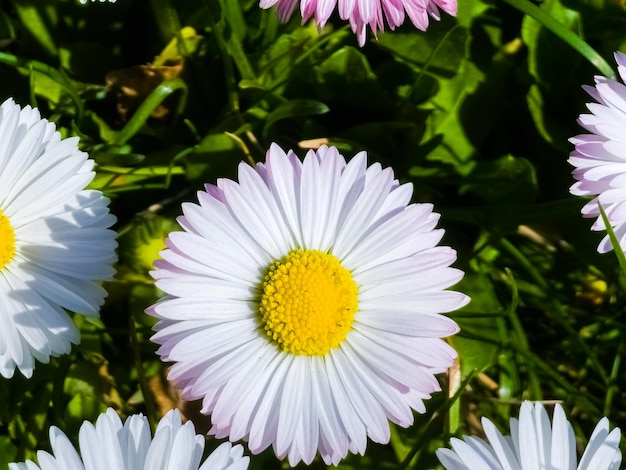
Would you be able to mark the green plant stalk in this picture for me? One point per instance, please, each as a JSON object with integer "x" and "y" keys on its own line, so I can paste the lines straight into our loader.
{"x": 233, "y": 14}
{"x": 317, "y": 45}
{"x": 538, "y": 363}
{"x": 58, "y": 385}
{"x": 431, "y": 57}
{"x": 555, "y": 306}
{"x": 54, "y": 74}
{"x": 156, "y": 170}
{"x": 464, "y": 314}
{"x": 568, "y": 36}
{"x": 31, "y": 87}
{"x": 32, "y": 20}
{"x": 233, "y": 45}
{"x": 150, "y": 103}
{"x": 178, "y": 157}
{"x": 435, "y": 421}
{"x": 520, "y": 336}
{"x": 509, "y": 381}
{"x": 526, "y": 264}
{"x": 581, "y": 342}
{"x": 569, "y": 388}
{"x": 38, "y": 406}
{"x": 612, "y": 388}
{"x": 141, "y": 374}
{"x": 617, "y": 249}
{"x": 166, "y": 19}
{"x": 509, "y": 376}
{"x": 515, "y": 215}
{"x": 229, "y": 72}
{"x": 136, "y": 187}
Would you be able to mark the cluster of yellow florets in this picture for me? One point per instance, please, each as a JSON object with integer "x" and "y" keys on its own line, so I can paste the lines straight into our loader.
{"x": 7, "y": 241}
{"x": 308, "y": 302}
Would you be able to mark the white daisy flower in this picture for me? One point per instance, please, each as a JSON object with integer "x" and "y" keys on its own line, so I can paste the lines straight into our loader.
{"x": 534, "y": 445}
{"x": 600, "y": 156}
{"x": 109, "y": 445}
{"x": 304, "y": 304}
{"x": 84, "y": 2}
{"x": 54, "y": 241}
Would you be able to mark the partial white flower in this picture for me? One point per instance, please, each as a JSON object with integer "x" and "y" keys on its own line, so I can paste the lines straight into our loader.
{"x": 600, "y": 156}
{"x": 109, "y": 445}
{"x": 534, "y": 445}
{"x": 305, "y": 304}
{"x": 364, "y": 13}
{"x": 55, "y": 245}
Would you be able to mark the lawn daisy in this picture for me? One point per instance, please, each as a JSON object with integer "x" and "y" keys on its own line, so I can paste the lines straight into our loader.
{"x": 304, "y": 304}
{"x": 600, "y": 156}
{"x": 111, "y": 445}
{"x": 534, "y": 444}
{"x": 362, "y": 13}
{"x": 54, "y": 241}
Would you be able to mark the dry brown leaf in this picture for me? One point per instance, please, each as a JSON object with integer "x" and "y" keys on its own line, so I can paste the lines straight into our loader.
{"x": 134, "y": 84}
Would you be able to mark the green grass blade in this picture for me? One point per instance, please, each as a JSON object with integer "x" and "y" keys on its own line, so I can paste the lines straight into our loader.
{"x": 152, "y": 101}
{"x": 565, "y": 34}
{"x": 619, "y": 253}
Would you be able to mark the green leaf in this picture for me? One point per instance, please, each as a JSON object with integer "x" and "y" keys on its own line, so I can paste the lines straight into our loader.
{"x": 440, "y": 52}
{"x": 446, "y": 118}
{"x": 30, "y": 13}
{"x": 87, "y": 386}
{"x": 550, "y": 98}
{"x": 469, "y": 10}
{"x": 279, "y": 60}
{"x": 153, "y": 100}
{"x": 216, "y": 154}
{"x": 7, "y": 30}
{"x": 118, "y": 179}
{"x": 229, "y": 42}
{"x": 45, "y": 86}
{"x": 505, "y": 215}
{"x": 59, "y": 78}
{"x": 143, "y": 240}
{"x": 183, "y": 44}
{"x": 86, "y": 61}
{"x": 475, "y": 354}
{"x": 166, "y": 17}
{"x": 8, "y": 451}
{"x": 234, "y": 16}
{"x": 565, "y": 34}
{"x": 507, "y": 179}
{"x": 292, "y": 109}
{"x": 346, "y": 77}
{"x": 617, "y": 248}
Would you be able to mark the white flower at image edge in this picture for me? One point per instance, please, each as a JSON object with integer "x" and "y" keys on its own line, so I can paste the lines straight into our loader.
{"x": 111, "y": 445}
{"x": 304, "y": 304}
{"x": 600, "y": 156}
{"x": 364, "y": 13}
{"x": 534, "y": 444}
{"x": 55, "y": 245}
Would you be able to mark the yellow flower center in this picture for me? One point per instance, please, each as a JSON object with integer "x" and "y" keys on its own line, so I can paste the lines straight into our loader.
{"x": 7, "y": 241}
{"x": 308, "y": 302}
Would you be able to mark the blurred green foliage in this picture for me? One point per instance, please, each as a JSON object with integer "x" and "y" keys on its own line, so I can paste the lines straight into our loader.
{"x": 476, "y": 113}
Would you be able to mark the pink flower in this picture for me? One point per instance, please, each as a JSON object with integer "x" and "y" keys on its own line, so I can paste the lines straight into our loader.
{"x": 361, "y": 13}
